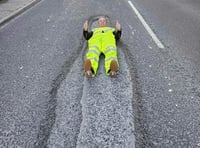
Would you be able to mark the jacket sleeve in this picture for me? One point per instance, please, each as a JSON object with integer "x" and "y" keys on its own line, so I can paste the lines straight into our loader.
{"x": 117, "y": 34}
{"x": 87, "y": 35}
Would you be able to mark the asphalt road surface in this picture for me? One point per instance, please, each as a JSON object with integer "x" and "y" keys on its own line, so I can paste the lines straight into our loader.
{"x": 154, "y": 102}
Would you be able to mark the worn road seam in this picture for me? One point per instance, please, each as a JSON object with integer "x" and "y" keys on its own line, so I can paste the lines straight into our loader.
{"x": 137, "y": 101}
{"x": 48, "y": 122}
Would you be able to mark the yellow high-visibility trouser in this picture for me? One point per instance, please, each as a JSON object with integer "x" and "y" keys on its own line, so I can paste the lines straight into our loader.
{"x": 102, "y": 41}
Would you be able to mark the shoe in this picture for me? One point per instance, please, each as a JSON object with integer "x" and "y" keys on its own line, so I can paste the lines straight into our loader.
{"x": 88, "y": 69}
{"x": 113, "y": 68}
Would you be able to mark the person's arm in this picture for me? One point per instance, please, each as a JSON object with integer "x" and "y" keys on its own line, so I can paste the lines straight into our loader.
{"x": 117, "y": 34}
{"x": 87, "y": 35}
{"x": 118, "y": 31}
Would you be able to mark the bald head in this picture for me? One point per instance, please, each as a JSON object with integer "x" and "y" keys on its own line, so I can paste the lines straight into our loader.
{"x": 102, "y": 22}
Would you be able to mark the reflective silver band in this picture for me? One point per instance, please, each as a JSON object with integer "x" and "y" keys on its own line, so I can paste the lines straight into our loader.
{"x": 93, "y": 59}
{"x": 96, "y": 47}
{"x": 110, "y": 49}
{"x": 111, "y": 58}
{"x": 94, "y": 51}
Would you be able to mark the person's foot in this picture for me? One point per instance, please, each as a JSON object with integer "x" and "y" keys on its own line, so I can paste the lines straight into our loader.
{"x": 88, "y": 69}
{"x": 113, "y": 68}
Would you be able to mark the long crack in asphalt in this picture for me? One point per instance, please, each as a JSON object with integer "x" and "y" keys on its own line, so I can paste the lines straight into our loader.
{"x": 137, "y": 101}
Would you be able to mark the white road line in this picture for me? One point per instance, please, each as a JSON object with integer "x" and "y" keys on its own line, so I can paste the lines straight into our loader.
{"x": 146, "y": 26}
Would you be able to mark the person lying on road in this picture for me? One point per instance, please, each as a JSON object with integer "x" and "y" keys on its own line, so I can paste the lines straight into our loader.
{"x": 101, "y": 40}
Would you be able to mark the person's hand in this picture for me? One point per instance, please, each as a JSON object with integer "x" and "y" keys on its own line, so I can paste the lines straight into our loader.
{"x": 85, "y": 26}
{"x": 118, "y": 26}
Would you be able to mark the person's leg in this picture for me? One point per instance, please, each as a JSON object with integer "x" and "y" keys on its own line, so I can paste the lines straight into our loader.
{"x": 111, "y": 61}
{"x": 92, "y": 61}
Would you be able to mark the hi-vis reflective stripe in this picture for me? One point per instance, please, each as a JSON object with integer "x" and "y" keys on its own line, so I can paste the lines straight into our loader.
{"x": 94, "y": 51}
{"x": 93, "y": 59}
{"x": 110, "y": 48}
{"x": 94, "y": 47}
{"x": 111, "y": 58}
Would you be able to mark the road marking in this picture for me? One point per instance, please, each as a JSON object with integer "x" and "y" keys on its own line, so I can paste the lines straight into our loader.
{"x": 146, "y": 26}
